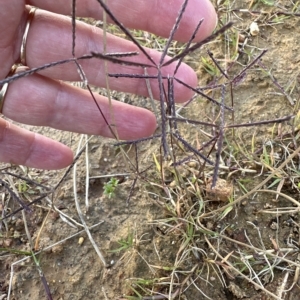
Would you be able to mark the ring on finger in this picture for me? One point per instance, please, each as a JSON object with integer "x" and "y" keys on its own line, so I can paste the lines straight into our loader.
{"x": 4, "y": 87}
{"x": 24, "y": 39}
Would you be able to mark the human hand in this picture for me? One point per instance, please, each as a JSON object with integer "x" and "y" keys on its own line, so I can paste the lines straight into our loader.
{"x": 45, "y": 100}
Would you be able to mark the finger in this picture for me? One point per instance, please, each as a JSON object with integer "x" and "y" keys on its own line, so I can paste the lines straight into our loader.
{"x": 49, "y": 39}
{"x": 11, "y": 14}
{"x": 37, "y": 100}
{"x": 149, "y": 15}
{"x": 22, "y": 147}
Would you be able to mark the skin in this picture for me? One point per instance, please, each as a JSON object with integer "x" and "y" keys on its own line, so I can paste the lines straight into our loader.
{"x": 44, "y": 99}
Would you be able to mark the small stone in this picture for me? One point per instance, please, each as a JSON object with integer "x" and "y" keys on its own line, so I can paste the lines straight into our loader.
{"x": 192, "y": 164}
{"x": 254, "y": 29}
{"x": 222, "y": 191}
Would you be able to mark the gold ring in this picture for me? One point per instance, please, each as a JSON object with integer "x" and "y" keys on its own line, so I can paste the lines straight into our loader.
{"x": 4, "y": 88}
{"x": 24, "y": 39}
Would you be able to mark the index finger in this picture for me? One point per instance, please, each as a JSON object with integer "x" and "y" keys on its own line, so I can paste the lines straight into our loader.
{"x": 155, "y": 16}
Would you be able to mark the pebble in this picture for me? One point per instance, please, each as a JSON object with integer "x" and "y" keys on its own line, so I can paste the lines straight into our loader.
{"x": 222, "y": 190}
{"x": 192, "y": 164}
{"x": 254, "y": 29}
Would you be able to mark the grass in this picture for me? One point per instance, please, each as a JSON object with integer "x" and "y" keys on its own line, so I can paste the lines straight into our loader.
{"x": 110, "y": 186}
{"x": 124, "y": 244}
{"x": 211, "y": 245}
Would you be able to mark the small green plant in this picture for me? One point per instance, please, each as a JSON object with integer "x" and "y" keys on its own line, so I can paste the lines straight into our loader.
{"x": 209, "y": 67}
{"x": 268, "y": 2}
{"x": 264, "y": 2}
{"x": 110, "y": 186}
{"x": 125, "y": 244}
{"x": 228, "y": 209}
